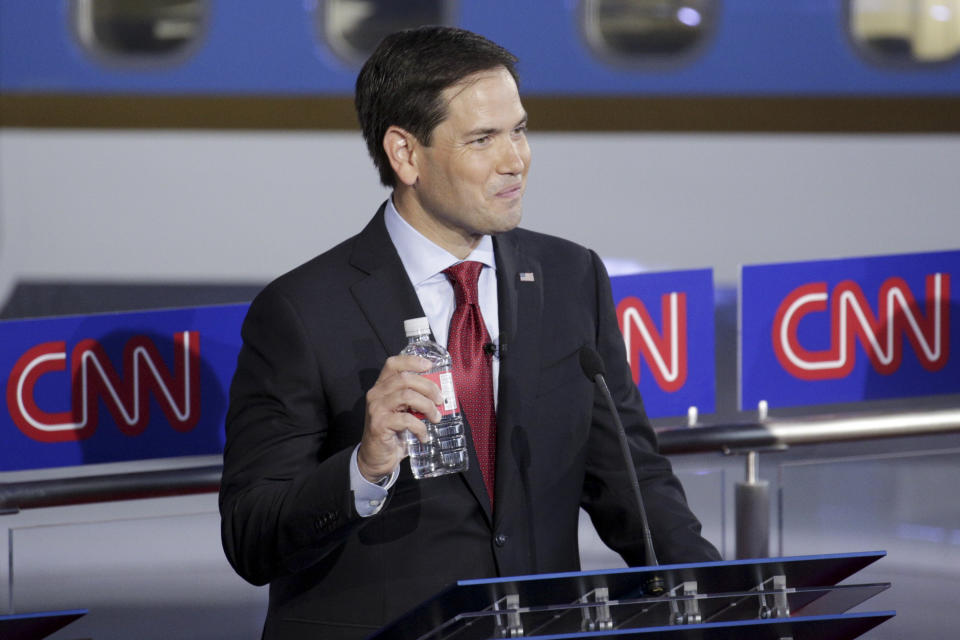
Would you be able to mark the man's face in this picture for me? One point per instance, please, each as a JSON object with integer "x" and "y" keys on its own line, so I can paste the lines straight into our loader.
{"x": 470, "y": 180}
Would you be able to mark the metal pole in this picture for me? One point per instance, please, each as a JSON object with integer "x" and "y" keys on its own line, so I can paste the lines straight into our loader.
{"x": 752, "y": 513}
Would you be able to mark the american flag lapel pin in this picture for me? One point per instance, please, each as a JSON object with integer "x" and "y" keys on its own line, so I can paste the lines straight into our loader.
{"x": 526, "y": 276}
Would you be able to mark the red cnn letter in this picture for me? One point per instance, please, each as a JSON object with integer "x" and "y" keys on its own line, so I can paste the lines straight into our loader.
{"x": 144, "y": 371}
{"x": 665, "y": 355}
{"x": 33, "y": 421}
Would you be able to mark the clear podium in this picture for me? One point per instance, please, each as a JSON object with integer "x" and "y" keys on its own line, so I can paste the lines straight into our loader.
{"x": 795, "y": 598}
{"x": 34, "y": 626}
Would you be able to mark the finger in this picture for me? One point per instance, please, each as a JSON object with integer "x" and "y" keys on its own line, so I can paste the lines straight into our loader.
{"x": 388, "y": 386}
{"x": 388, "y": 413}
{"x": 405, "y": 400}
{"x": 414, "y": 425}
{"x": 422, "y": 405}
{"x": 396, "y": 365}
{"x": 383, "y": 452}
{"x": 423, "y": 386}
{"x": 403, "y": 393}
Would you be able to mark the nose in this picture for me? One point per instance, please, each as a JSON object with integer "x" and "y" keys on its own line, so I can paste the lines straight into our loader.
{"x": 514, "y": 156}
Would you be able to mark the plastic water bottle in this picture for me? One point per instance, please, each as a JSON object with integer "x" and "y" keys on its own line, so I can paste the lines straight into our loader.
{"x": 446, "y": 449}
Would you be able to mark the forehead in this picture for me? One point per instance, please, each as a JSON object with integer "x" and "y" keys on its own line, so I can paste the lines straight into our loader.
{"x": 484, "y": 97}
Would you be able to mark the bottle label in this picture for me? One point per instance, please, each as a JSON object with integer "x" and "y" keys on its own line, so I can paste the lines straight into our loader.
{"x": 444, "y": 380}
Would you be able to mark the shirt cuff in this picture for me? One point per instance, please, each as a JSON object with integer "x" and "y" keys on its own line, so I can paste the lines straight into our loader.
{"x": 369, "y": 497}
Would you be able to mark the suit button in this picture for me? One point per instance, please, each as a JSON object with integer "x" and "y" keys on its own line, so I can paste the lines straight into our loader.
{"x": 500, "y": 540}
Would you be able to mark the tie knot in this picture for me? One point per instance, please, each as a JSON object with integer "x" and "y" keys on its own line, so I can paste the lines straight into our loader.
{"x": 464, "y": 276}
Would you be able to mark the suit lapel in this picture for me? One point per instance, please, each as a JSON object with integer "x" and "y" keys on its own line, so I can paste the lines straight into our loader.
{"x": 520, "y": 300}
{"x": 387, "y": 297}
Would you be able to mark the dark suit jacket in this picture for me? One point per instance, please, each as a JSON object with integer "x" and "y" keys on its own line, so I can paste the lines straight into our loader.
{"x": 314, "y": 342}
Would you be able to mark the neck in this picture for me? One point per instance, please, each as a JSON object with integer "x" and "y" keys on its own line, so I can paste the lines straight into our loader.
{"x": 456, "y": 241}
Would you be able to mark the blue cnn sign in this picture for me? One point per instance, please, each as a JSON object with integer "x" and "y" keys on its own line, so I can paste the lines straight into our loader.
{"x": 107, "y": 388}
{"x": 667, "y": 322}
{"x": 849, "y": 330}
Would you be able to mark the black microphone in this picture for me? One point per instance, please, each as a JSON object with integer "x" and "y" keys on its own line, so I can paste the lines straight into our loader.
{"x": 593, "y": 368}
{"x": 492, "y": 349}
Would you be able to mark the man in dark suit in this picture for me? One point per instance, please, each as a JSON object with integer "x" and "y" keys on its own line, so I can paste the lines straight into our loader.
{"x": 316, "y": 499}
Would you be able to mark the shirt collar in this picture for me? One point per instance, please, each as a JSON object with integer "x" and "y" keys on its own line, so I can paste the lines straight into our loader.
{"x": 421, "y": 258}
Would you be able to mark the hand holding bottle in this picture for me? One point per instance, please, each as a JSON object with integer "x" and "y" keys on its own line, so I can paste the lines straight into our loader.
{"x": 444, "y": 450}
{"x": 397, "y": 391}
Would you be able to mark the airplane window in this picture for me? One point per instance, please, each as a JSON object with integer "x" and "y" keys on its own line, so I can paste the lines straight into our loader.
{"x": 646, "y": 29}
{"x": 911, "y": 31}
{"x": 354, "y": 28}
{"x": 137, "y": 30}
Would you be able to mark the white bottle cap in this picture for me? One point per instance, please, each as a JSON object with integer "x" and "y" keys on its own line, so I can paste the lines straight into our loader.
{"x": 416, "y": 327}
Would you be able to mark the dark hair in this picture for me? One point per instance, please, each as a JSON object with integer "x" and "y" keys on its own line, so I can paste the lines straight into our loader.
{"x": 402, "y": 82}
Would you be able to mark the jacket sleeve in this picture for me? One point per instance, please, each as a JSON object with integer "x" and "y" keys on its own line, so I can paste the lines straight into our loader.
{"x": 283, "y": 504}
{"x": 608, "y": 496}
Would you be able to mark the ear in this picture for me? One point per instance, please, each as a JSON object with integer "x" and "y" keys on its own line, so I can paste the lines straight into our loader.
{"x": 400, "y": 146}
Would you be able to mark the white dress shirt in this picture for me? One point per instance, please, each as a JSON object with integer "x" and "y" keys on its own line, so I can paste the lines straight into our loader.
{"x": 424, "y": 263}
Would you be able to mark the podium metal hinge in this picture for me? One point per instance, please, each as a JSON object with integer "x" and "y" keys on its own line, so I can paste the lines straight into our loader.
{"x": 688, "y": 609}
{"x": 508, "y": 623}
{"x": 598, "y": 616}
{"x": 778, "y": 598}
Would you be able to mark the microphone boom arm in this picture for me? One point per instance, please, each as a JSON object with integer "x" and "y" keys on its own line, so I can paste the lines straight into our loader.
{"x": 631, "y": 470}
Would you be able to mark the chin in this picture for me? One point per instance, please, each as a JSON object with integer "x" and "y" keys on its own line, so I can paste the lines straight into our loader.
{"x": 507, "y": 221}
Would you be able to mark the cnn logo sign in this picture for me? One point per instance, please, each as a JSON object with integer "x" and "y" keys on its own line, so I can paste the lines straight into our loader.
{"x": 92, "y": 379}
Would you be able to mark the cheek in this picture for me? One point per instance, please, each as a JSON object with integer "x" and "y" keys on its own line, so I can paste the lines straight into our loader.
{"x": 476, "y": 170}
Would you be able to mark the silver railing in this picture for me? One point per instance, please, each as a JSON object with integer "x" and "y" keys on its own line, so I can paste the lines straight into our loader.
{"x": 59, "y": 492}
{"x": 747, "y": 438}
{"x": 820, "y": 429}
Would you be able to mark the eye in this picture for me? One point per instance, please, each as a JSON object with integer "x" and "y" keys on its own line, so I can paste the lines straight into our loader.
{"x": 481, "y": 141}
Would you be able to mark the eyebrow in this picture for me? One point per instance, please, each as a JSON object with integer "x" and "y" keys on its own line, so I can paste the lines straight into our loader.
{"x": 489, "y": 131}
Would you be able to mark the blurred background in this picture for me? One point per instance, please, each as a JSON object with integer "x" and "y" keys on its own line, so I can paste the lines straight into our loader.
{"x": 168, "y": 153}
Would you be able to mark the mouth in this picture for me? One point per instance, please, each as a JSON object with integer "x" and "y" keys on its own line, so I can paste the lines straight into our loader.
{"x": 513, "y": 191}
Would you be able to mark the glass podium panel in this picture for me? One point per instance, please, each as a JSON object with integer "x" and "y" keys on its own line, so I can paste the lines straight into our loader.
{"x": 36, "y": 625}
{"x": 150, "y": 578}
{"x": 899, "y": 503}
{"x": 689, "y": 611}
{"x": 706, "y": 596}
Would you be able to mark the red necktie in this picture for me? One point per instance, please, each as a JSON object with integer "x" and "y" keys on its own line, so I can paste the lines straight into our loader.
{"x": 472, "y": 368}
